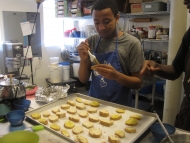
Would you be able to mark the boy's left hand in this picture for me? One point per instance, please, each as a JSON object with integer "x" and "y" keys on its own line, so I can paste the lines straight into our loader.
{"x": 106, "y": 71}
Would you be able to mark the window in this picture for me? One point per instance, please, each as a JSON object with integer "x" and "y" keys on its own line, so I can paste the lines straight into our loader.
{"x": 53, "y": 27}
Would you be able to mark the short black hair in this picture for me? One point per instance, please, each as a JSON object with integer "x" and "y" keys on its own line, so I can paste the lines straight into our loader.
{"x": 103, "y": 4}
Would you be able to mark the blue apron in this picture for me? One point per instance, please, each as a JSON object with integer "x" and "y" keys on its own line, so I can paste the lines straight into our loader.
{"x": 106, "y": 89}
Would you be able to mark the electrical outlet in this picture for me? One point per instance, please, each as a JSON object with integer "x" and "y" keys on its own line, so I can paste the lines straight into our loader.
{"x": 39, "y": 58}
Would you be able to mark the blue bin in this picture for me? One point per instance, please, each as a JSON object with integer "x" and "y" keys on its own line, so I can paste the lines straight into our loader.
{"x": 160, "y": 87}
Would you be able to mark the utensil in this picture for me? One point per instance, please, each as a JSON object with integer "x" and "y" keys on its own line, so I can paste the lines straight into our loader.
{"x": 163, "y": 127}
{"x": 93, "y": 58}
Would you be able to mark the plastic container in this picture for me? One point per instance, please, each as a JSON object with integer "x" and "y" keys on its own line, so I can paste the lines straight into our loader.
{"x": 55, "y": 74}
{"x": 158, "y": 132}
{"x": 54, "y": 61}
{"x": 160, "y": 87}
{"x": 66, "y": 70}
{"x": 75, "y": 69}
{"x": 16, "y": 117}
{"x": 154, "y": 6}
{"x": 22, "y": 104}
{"x": 20, "y": 137}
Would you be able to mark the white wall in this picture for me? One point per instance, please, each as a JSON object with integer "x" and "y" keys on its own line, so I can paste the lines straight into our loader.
{"x": 42, "y": 71}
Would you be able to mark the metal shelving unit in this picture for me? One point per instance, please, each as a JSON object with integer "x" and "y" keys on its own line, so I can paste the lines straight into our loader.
{"x": 154, "y": 40}
{"x": 145, "y": 14}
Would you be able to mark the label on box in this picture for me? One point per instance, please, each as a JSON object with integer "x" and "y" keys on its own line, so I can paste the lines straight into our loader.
{"x": 148, "y": 6}
{"x": 136, "y": 6}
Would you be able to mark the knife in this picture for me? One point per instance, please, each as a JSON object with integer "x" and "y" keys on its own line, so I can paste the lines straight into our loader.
{"x": 93, "y": 58}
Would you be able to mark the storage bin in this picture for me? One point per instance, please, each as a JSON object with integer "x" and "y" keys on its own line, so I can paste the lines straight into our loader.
{"x": 154, "y": 6}
{"x": 160, "y": 87}
{"x": 136, "y": 8}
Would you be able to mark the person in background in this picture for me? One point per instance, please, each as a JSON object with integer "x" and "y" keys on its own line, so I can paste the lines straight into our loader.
{"x": 180, "y": 64}
{"x": 120, "y": 56}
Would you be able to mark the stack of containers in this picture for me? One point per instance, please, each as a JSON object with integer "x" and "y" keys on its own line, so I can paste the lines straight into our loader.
{"x": 136, "y": 5}
{"x": 66, "y": 70}
{"x": 55, "y": 70}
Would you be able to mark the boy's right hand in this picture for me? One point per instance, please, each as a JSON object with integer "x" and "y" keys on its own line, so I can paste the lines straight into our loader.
{"x": 83, "y": 50}
{"x": 149, "y": 68}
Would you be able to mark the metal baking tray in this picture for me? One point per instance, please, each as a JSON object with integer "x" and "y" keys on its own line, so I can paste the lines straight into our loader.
{"x": 147, "y": 120}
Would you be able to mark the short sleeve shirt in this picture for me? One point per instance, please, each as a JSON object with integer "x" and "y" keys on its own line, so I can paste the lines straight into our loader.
{"x": 179, "y": 61}
{"x": 129, "y": 51}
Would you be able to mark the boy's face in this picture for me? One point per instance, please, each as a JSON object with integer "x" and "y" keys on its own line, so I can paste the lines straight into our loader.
{"x": 187, "y": 3}
{"x": 105, "y": 22}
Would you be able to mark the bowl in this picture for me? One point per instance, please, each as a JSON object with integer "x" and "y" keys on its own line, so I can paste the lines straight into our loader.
{"x": 158, "y": 132}
{"x": 177, "y": 138}
{"x": 20, "y": 137}
{"x": 15, "y": 117}
{"x": 22, "y": 104}
{"x": 31, "y": 91}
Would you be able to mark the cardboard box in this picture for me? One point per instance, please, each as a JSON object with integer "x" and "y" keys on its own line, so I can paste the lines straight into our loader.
{"x": 139, "y": 1}
{"x": 135, "y": 8}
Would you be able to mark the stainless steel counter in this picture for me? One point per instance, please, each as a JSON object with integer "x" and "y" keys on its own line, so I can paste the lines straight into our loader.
{"x": 49, "y": 137}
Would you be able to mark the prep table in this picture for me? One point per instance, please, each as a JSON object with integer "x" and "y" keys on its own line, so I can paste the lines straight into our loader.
{"x": 48, "y": 137}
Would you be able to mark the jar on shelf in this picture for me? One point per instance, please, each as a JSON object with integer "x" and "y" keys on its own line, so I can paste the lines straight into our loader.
{"x": 159, "y": 33}
{"x": 151, "y": 32}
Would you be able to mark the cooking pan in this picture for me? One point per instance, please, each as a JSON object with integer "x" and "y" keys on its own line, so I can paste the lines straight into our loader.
{"x": 177, "y": 138}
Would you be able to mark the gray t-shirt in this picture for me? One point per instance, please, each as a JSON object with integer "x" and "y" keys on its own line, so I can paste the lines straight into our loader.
{"x": 129, "y": 48}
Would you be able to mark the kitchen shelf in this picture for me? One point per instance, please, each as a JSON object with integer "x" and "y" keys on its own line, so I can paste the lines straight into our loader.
{"x": 154, "y": 40}
{"x": 145, "y": 13}
{"x": 127, "y": 14}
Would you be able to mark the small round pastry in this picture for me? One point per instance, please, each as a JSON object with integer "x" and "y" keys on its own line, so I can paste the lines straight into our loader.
{"x": 86, "y": 102}
{"x": 36, "y": 116}
{"x": 55, "y": 110}
{"x": 53, "y": 118}
{"x": 46, "y": 114}
{"x": 78, "y": 99}
{"x": 136, "y": 116}
{"x": 55, "y": 127}
{"x": 120, "y": 133}
{"x": 106, "y": 122}
{"x": 71, "y": 110}
{"x": 70, "y": 102}
{"x": 118, "y": 110}
{"x": 65, "y": 133}
{"x": 61, "y": 114}
{"x": 77, "y": 130}
{"x": 131, "y": 122}
{"x": 130, "y": 130}
{"x": 92, "y": 110}
{"x": 65, "y": 106}
{"x": 74, "y": 118}
{"x": 95, "y": 132}
{"x": 69, "y": 124}
{"x": 83, "y": 114}
{"x": 43, "y": 121}
{"x": 115, "y": 117}
{"x": 94, "y": 103}
{"x": 81, "y": 139}
{"x": 87, "y": 124}
{"x": 113, "y": 139}
{"x": 80, "y": 106}
{"x": 93, "y": 119}
{"x": 104, "y": 113}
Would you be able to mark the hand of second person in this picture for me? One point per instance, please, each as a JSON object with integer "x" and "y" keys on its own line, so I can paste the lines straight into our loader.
{"x": 149, "y": 68}
{"x": 83, "y": 50}
{"x": 106, "y": 71}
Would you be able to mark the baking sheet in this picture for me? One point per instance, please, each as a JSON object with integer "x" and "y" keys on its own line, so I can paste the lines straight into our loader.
{"x": 147, "y": 120}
